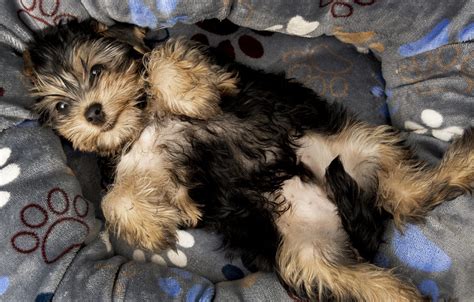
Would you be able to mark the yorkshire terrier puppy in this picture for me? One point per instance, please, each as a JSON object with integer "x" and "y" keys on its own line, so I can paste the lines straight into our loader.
{"x": 292, "y": 182}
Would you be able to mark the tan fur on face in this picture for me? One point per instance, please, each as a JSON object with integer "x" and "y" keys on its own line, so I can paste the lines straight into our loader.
{"x": 183, "y": 81}
{"x": 116, "y": 89}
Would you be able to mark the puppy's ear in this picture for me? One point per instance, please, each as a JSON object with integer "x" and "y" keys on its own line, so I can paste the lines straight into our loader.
{"x": 130, "y": 34}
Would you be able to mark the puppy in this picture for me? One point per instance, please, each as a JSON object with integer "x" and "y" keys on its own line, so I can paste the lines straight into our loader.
{"x": 262, "y": 160}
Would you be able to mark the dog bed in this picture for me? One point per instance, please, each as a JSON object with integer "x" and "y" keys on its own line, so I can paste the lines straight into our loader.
{"x": 407, "y": 63}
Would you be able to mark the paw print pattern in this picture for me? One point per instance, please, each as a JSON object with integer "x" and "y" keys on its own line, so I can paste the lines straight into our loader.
{"x": 297, "y": 25}
{"x": 42, "y": 12}
{"x": 173, "y": 288}
{"x": 328, "y": 80}
{"x": 177, "y": 257}
{"x": 8, "y": 173}
{"x": 343, "y": 9}
{"x": 433, "y": 120}
{"x": 55, "y": 229}
{"x": 300, "y": 27}
{"x": 248, "y": 44}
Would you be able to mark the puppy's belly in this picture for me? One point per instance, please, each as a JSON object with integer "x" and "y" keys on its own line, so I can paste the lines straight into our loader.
{"x": 312, "y": 223}
{"x": 317, "y": 151}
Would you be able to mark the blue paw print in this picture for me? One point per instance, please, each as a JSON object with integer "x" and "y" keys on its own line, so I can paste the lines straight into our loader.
{"x": 429, "y": 288}
{"x": 418, "y": 252}
{"x": 200, "y": 292}
{"x": 467, "y": 33}
{"x": 170, "y": 286}
{"x": 144, "y": 16}
{"x": 182, "y": 273}
{"x": 166, "y": 6}
{"x": 4, "y": 283}
{"x": 437, "y": 37}
{"x": 141, "y": 14}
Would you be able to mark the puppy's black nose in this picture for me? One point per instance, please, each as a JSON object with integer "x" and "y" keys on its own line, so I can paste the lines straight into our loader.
{"x": 95, "y": 115}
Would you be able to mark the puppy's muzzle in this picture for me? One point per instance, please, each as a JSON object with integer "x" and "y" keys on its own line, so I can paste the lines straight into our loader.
{"x": 95, "y": 115}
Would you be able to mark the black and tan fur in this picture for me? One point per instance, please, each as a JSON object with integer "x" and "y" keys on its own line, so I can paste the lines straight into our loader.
{"x": 262, "y": 160}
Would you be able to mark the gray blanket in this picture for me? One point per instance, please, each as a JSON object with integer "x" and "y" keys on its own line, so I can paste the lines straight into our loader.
{"x": 53, "y": 245}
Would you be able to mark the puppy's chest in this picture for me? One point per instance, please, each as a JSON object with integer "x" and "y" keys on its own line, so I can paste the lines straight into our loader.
{"x": 151, "y": 152}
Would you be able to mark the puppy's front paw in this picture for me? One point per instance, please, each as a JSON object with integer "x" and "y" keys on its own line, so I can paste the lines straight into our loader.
{"x": 182, "y": 80}
{"x": 140, "y": 220}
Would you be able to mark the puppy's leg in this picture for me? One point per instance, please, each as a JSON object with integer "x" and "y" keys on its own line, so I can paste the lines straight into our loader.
{"x": 146, "y": 209}
{"x": 407, "y": 188}
{"x": 377, "y": 159}
{"x": 139, "y": 213}
{"x": 410, "y": 189}
{"x": 146, "y": 204}
{"x": 314, "y": 258}
{"x": 182, "y": 80}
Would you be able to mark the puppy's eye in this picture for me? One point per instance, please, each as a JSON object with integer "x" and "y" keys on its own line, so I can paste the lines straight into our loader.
{"x": 62, "y": 107}
{"x": 96, "y": 70}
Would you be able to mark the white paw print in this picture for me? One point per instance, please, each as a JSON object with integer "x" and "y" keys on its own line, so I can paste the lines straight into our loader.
{"x": 433, "y": 121}
{"x": 8, "y": 174}
{"x": 176, "y": 257}
{"x": 296, "y": 26}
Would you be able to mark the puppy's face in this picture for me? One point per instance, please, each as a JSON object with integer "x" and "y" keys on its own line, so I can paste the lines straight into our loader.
{"x": 88, "y": 85}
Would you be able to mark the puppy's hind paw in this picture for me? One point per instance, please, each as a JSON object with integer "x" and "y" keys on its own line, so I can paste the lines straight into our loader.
{"x": 457, "y": 166}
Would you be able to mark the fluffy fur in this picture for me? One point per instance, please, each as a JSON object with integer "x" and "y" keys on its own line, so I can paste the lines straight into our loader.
{"x": 60, "y": 67}
{"x": 262, "y": 160}
{"x": 184, "y": 81}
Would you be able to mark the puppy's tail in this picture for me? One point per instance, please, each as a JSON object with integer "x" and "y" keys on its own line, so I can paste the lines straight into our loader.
{"x": 362, "y": 220}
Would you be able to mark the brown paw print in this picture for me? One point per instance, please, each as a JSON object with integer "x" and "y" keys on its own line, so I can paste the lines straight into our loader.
{"x": 342, "y": 9}
{"x": 55, "y": 229}
{"x": 248, "y": 44}
{"x": 43, "y": 11}
{"x": 325, "y": 79}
